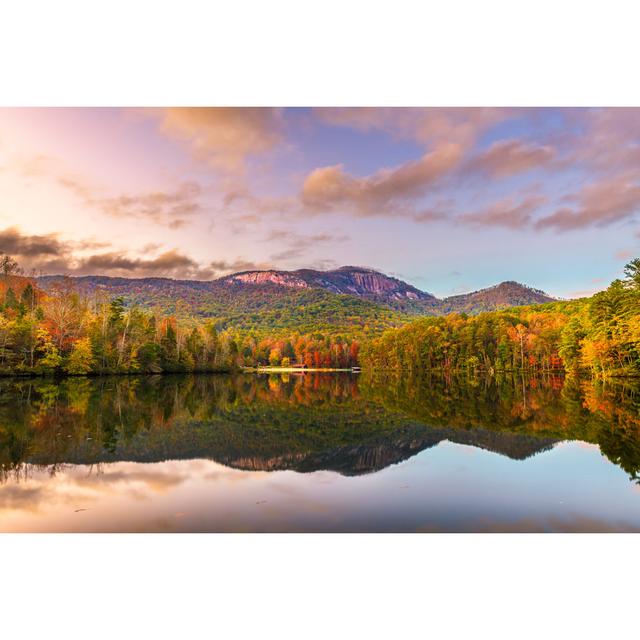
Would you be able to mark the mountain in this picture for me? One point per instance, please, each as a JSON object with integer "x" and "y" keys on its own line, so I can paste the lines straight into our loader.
{"x": 505, "y": 294}
{"x": 265, "y": 307}
{"x": 357, "y": 281}
{"x": 345, "y": 300}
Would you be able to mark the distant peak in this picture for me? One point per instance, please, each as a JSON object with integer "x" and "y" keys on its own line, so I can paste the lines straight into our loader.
{"x": 506, "y": 294}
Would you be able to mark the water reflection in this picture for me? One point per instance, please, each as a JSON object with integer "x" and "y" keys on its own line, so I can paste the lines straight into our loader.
{"x": 198, "y": 453}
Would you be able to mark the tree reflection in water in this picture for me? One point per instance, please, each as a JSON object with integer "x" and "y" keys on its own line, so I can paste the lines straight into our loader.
{"x": 342, "y": 422}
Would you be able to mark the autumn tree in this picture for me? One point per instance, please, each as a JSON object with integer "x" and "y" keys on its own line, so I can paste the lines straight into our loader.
{"x": 80, "y": 360}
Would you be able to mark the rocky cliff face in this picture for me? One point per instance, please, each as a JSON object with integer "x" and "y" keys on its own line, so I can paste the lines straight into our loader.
{"x": 282, "y": 278}
{"x": 367, "y": 282}
{"x": 346, "y": 280}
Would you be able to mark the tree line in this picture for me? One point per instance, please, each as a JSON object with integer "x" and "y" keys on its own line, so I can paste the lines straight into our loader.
{"x": 64, "y": 331}
{"x": 599, "y": 335}
{"x": 316, "y": 350}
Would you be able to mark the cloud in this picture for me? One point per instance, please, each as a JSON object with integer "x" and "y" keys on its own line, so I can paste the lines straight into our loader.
{"x": 323, "y": 264}
{"x": 600, "y": 147}
{"x": 448, "y": 135}
{"x": 328, "y": 188}
{"x": 76, "y": 186}
{"x": 605, "y": 202}
{"x": 298, "y": 245}
{"x": 222, "y": 267}
{"x": 224, "y": 137}
{"x": 510, "y": 157}
{"x": 285, "y": 255}
{"x": 505, "y": 213}
{"x": 13, "y": 242}
{"x": 298, "y": 238}
{"x": 170, "y": 207}
{"x": 598, "y": 204}
{"x": 251, "y": 207}
{"x": 163, "y": 207}
{"x": 167, "y": 263}
{"x": 53, "y": 255}
{"x": 457, "y": 156}
{"x": 624, "y": 254}
{"x": 47, "y": 252}
{"x": 606, "y": 139}
{"x": 426, "y": 126}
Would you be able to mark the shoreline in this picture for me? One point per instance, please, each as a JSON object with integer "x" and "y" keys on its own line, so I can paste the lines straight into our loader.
{"x": 61, "y": 375}
{"x": 296, "y": 369}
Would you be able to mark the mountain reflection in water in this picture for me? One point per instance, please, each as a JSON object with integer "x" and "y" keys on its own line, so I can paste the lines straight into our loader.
{"x": 78, "y": 454}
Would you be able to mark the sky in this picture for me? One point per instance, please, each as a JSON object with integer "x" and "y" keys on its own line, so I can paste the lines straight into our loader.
{"x": 448, "y": 199}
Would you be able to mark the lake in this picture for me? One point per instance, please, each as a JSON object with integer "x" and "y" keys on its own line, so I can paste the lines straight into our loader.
{"x": 318, "y": 452}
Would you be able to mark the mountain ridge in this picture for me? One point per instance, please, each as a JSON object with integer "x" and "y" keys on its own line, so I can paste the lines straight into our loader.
{"x": 337, "y": 300}
{"x": 349, "y": 280}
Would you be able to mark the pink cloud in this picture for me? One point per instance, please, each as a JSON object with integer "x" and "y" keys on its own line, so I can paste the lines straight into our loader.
{"x": 432, "y": 125}
{"x": 505, "y": 213}
{"x": 510, "y": 157}
{"x": 327, "y": 188}
{"x": 598, "y": 204}
{"x": 223, "y": 136}
{"x": 610, "y": 141}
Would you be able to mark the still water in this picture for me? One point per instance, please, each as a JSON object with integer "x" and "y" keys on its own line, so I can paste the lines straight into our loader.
{"x": 318, "y": 452}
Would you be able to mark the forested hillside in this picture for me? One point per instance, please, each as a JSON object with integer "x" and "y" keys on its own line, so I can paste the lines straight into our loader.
{"x": 600, "y": 335}
{"x": 345, "y": 299}
{"x": 503, "y": 295}
{"x": 87, "y": 329}
{"x": 68, "y": 331}
{"x": 265, "y": 309}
